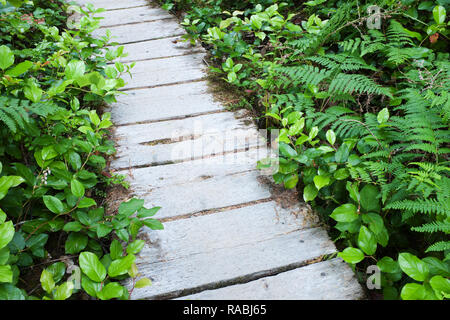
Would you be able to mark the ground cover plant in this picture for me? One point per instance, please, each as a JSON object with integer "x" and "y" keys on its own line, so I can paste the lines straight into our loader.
{"x": 56, "y": 239}
{"x": 363, "y": 113}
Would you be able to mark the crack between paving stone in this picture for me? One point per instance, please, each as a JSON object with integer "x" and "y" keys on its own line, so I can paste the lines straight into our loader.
{"x": 168, "y": 162}
{"x": 117, "y": 9}
{"x": 157, "y": 38}
{"x": 216, "y": 210}
{"x": 166, "y": 84}
{"x": 160, "y": 58}
{"x": 136, "y": 22}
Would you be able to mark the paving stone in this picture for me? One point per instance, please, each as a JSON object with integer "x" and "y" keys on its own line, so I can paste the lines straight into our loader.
{"x": 163, "y": 103}
{"x": 327, "y": 280}
{"x": 132, "y": 15}
{"x": 142, "y": 31}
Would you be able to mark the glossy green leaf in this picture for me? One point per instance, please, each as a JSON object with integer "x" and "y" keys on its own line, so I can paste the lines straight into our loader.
{"x": 345, "y": 213}
{"x": 367, "y": 241}
{"x": 413, "y": 266}
{"x": 47, "y": 281}
{"x": 53, "y": 204}
{"x": 121, "y": 266}
{"x": 92, "y": 267}
{"x": 351, "y": 255}
{"x": 6, "y": 233}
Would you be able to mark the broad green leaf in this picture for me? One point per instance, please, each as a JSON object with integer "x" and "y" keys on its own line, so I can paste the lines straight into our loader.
{"x": 345, "y": 213}
{"x": 6, "y": 274}
{"x": 291, "y": 181}
{"x": 145, "y": 213}
{"x": 19, "y": 69}
{"x": 6, "y": 233}
{"x": 351, "y": 255}
{"x": 10, "y": 292}
{"x": 383, "y": 116}
{"x": 64, "y": 291}
{"x": 110, "y": 291}
{"x": 76, "y": 241}
{"x": 74, "y": 226}
{"x": 121, "y": 266}
{"x": 86, "y": 203}
{"x": 33, "y": 92}
{"x": 53, "y": 204}
{"x": 131, "y": 206}
{"x": 6, "y": 57}
{"x": 310, "y": 192}
{"x": 367, "y": 241}
{"x": 341, "y": 174}
{"x": 153, "y": 224}
{"x": 57, "y": 270}
{"x": 415, "y": 291}
{"x": 413, "y": 266}
{"x": 116, "y": 250}
{"x": 77, "y": 188}
{"x": 441, "y": 286}
{"x": 135, "y": 247}
{"x": 321, "y": 181}
{"x": 75, "y": 69}
{"x": 439, "y": 14}
{"x": 47, "y": 281}
{"x": 375, "y": 222}
{"x": 331, "y": 136}
{"x": 388, "y": 265}
{"x": 144, "y": 282}
{"x": 297, "y": 127}
{"x": 368, "y": 198}
{"x": 437, "y": 267}
{"x": 92, "y": 267}
{"x": 286, "y": 150}
{"x": 91, "y": 287}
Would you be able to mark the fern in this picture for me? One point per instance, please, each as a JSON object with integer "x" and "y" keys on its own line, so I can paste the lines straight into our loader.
{"x": 15, "y": 113}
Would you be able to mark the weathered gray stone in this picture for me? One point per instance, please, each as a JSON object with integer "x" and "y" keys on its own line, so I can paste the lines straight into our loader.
{"x": 327, "y": 280}
{"x": 114, "y": 4}
{"x": 158, "y": 72}
{"x": 142, "y": 31}
{"x": 163, "y": 103}
{"x": 211, "y": 193}
{"x": 167, "y": 47}
{"x": 229, "y": 230}
{"x": 132, "y": 15}
{"x": 229, "y": 264}
{"x": 210, "y": 143}
{"x": 174, "y": 129}
{"x": 143, "y": 179}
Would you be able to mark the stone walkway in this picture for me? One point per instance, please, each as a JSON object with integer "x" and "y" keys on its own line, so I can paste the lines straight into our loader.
{"x": 229, "y": 233}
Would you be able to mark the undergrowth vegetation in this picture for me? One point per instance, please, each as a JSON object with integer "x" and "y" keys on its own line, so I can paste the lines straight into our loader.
{"x": 56, "y": 240}
{"x": 363, "y": 114}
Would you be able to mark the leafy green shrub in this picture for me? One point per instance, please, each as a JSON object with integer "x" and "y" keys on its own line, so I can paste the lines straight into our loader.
{"x": 363, "y": 118}
{"x": 53, "y": 159}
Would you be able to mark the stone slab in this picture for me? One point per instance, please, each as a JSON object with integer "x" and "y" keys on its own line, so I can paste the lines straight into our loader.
{"x": 183, "y": 261}
{"x": 327, "y": 280}
{"x": 132, "y": 15}
{"x": 153, "y": 49}
{"x": 143, "y": 179}
{"x": 142, "y": 31}
{"x": 176, "y": 129}
{"x": 210, "y": 194}
{"x": 208, "y": 144}
{"x": 150, "y": 73}
{"x": 114, "y": 4}
{"x": 163, "y": 103}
